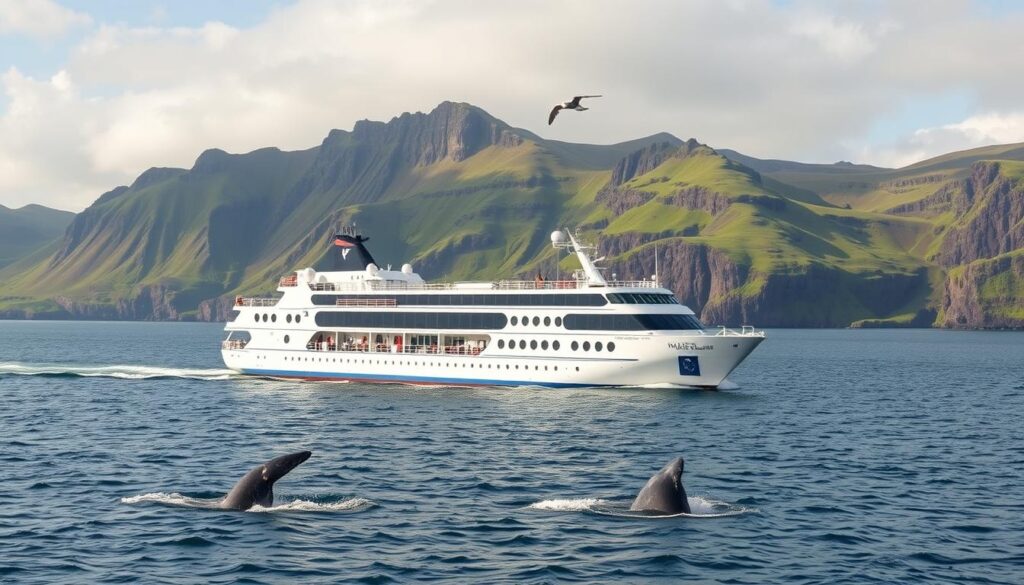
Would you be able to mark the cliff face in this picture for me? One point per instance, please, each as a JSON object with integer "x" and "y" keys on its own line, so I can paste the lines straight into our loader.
{"x": 985, "y": 294}
{"x": 991, "y": 206}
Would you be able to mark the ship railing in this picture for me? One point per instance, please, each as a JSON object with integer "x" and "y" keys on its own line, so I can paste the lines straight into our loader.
{"x": 389, "y": 285}
{"x": 745, "y": 331}
{"x": 291, "y": 280}
{"x": 470, "y": 350}
{"x": 254, "y": 302}
{"x": 233, "y": 344}
{"x": 366, "y": 303}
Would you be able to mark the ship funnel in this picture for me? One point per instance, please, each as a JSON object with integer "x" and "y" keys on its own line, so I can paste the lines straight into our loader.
{"x": 347, "y": 253}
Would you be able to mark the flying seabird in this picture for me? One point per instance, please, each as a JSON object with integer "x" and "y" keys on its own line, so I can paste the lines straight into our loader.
{"x": 573, "y": 104}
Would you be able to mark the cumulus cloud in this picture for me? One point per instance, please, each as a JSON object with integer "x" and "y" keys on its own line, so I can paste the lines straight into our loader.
{"x": 41, "y": 19}
{"x": 979, "y": 130}
{"x": 784, "y": 80}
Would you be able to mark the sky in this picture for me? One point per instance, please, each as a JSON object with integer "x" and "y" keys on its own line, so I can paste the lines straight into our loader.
{"x": 94, "y": 93}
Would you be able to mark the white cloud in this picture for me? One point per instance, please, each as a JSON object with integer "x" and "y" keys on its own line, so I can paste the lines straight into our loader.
{"x": 769, "y": 79}
{"x": 979, "y": 130}
{"x": 41, "y": 19}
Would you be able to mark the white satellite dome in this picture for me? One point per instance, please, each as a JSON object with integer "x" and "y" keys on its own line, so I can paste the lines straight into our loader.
{"x": 307, "y": 275}
{"x": 557, "y": 237}
{"x": 406, "y": 268}
{"x": 372, "y": 269}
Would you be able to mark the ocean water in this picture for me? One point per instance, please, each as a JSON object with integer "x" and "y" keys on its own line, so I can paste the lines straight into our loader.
{"x": 843, "y": 457}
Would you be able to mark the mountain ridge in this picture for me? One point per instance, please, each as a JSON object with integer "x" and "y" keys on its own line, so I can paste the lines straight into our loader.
{"x": 464, "y": 195}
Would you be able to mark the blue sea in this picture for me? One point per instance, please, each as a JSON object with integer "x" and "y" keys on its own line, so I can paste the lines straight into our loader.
{"x": 844, "y": 456}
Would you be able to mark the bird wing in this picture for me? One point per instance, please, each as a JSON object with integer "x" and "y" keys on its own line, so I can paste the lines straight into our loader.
{"x": 554, "y": 112}
{"x": 576, "y": 99}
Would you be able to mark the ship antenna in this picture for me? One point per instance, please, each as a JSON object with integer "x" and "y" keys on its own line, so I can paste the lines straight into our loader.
{"x": 657, "y": 276}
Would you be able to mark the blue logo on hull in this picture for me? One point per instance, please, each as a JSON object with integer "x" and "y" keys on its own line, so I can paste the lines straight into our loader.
{"x": 689, "y": 365}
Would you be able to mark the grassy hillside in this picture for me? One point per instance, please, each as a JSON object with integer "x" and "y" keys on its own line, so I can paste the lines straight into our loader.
{"x": 28, "y": 229}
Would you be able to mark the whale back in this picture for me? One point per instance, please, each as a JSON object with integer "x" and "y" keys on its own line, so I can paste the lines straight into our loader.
{"x": 664, "y": 492}
{"x": 256, "y": 488}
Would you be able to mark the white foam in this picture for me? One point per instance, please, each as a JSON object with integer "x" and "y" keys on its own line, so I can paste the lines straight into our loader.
{"x": 308, "y": 506}
{"x": 299, "y": 505}
{"x": 567, "y": 505}
{"x": 700, "y": 507}
{"x": 124, "y": 372}
{"x": 728, "y": 384}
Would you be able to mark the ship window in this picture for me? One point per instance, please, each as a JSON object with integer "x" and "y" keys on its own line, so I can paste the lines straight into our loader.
{"x": 526, "y": 320}
{"x": 555, "y": 345}
{"x": 501, "y": 344}
{"x": 586, "y": 346}
{"x": 257, "y": 317}
{"x": 297, "y": 318}
{"x": 288, "y": 318}
{"x": 544, "y": 344}
{"x": 547, "y": 321}
{"x": 558, "y": 321}
{"x": 273, "y": 318}
{"x": 533, "y": 344}
{"x": 536, "y": 321}
{"x": 522, "y": 344}
{"x": 515, "y": 320}
{"x": 264, "y": 317}
{"x": 287, "y": 339}
{"x": 501, "y": 300}
{"x": 598, "y": 346}
{"x": 575, "y": 345}
{"x": 611, "y": 346}
{"x": 631, "y": 322}
{"x": 391, "y": 319}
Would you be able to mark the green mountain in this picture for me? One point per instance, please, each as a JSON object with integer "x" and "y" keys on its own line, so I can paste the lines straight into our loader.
{"x": 29, "y": 229}
{"x": 463, "y": 195}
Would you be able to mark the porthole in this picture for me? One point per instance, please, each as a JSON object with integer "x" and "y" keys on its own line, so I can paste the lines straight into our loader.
{"x": 555, "y": 345}
{"x": 297, "y": 318}
{"x": 515, "y": 320}
{"x": 577, "y": 368}
{"x": 575, "y": 345}
{"x": 273, "y": 318}
{"x": 517, "y": 366}
{"x": 526, "y": 321}
{"x": 598, "y": 346}
{"x": 547, "y": 321}
{"x": 287, "y": 339}
{"x": 544, "y": 344}
{"x": 257, "y": 317}
{"x": 558, "y": 321}
{"x": 522, "y": 344}
{"x": 288, "y": 318}
{"x": 586, "y": 346}
{"x": 533, "y": 344}
{"x": 264, "y": 317}
{"x": 611, "y": 346}
{"x": 501, "y": 344}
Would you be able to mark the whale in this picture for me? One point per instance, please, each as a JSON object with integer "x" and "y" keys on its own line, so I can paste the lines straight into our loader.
{"x": 256, "y": 488}
{"x": 664, "y": 493}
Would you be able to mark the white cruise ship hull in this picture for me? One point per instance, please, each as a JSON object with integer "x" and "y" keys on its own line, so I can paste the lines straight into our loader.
{"x": 697, "y": 360}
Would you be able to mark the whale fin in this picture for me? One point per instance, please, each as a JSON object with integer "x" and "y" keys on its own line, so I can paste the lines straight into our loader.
{"x": 664, "y": 492}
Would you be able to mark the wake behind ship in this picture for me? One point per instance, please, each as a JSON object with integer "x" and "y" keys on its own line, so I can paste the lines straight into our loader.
{"x": 354, "y": 321}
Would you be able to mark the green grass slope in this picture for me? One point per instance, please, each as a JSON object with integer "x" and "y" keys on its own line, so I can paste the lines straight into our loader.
{"x": 25, "y": 230}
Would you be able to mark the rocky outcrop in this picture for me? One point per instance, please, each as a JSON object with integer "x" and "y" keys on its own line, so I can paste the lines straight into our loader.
{"x": 700, "y": 198}
{"x": 622, "y": 200}
{"x": 992, "y": 212}
{"x": 940, "y": 201}
{"x": 987, "y": 294}
{"x": 362, "y": 163}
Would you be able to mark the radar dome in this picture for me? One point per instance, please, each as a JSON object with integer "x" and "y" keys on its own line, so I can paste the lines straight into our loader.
{"x": 406, "y": 268}
{"x": 306, "y": 275}
{"x": 557, "y": 237}
{"x": 372, "y": 269}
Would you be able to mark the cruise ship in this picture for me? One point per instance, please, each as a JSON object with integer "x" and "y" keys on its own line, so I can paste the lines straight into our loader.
{"x": 350, "y": 320}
